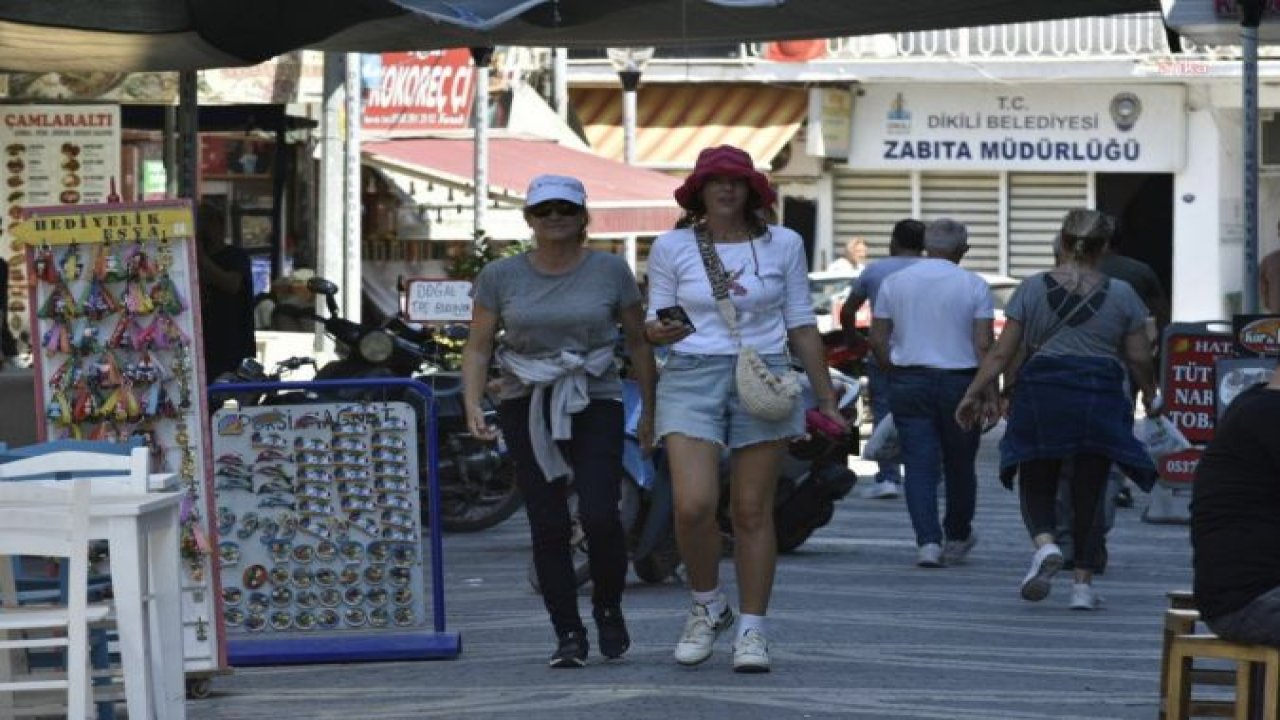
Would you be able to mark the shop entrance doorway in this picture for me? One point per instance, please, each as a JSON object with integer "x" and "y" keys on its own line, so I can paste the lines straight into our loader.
{"x": 1143, "y": 205}
{"x": 801, "y": 215}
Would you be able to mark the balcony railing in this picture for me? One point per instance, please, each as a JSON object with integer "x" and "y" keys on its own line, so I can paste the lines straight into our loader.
{"x": 1116, "y": 36}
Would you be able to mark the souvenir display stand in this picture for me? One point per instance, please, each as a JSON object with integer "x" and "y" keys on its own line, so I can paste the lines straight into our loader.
{"x": 115, "y": 309}
{"x": 317, "y": 507}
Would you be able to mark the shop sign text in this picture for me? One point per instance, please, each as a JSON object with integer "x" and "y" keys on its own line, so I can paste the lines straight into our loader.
{"x": 1063, "y": 128}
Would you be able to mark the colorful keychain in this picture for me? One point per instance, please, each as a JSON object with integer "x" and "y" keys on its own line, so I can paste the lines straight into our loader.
{"x": 139, "y": 266}
{"x": 165, "y": 297}
{"x": 46, "y": 265}
{"x": 97, "y": 301}
{"x": 57, "y": 339}
{"x": 71, "y": 264}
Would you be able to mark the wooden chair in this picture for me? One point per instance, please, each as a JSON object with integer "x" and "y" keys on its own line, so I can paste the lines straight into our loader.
{"x": 53, "y": 521}
{"x": 1247, "y": 658}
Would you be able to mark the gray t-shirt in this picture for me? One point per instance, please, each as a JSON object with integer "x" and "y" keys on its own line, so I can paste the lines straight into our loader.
{"x": 543, "y": 314}
{"x": 1096, "y": 330}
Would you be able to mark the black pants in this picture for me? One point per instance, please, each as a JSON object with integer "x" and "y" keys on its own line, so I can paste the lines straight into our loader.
{"x": 1038, "y": 486}
{"x": 595, "y": 454}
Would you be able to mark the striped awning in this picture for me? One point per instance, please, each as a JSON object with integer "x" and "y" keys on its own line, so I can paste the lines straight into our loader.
{"x": 675, "y": 122}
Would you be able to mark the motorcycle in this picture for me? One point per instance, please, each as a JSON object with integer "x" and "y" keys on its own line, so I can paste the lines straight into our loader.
{"x": 477, "y": 479}
{"x": 815, "y": 470}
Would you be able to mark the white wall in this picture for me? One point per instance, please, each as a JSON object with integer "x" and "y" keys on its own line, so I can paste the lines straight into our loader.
{"x": 1199, "y": 191}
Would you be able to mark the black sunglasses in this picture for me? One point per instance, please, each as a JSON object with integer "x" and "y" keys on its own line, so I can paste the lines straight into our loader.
{"x": 559, "y": 207}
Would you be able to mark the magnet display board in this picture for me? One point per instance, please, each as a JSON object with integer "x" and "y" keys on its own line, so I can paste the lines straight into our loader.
{"x": 318, "y": 515}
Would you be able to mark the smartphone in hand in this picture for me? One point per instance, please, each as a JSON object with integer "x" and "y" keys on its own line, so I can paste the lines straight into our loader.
{"x": 676, "y": 314}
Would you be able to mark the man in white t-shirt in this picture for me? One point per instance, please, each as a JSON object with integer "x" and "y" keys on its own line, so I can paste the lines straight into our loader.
{"x": 931, "y": 326}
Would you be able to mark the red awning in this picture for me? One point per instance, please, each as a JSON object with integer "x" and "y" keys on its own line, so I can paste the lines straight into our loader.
{"x": 622, "y": 199}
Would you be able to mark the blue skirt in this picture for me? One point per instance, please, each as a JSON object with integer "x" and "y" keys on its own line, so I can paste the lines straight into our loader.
{"x": 1064, "y": 406}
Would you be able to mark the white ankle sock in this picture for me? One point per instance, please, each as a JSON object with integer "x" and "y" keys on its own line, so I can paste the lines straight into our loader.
{"x": 712, "y": 600}
{"x": 750, "y": 622}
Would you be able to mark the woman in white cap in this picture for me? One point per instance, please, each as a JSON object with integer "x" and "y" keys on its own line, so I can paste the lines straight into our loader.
{"x": 700, "y": 412}
{"x": 560, "y": 305}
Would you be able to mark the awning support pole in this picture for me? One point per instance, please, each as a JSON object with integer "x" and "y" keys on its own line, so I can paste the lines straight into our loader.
{"x": 481, "y": 56}
{"x": 329, "y": 244}
{"x": 188, "y": 133}
{"x": 1250, "y": 18}
{"x": 351, "y": 291}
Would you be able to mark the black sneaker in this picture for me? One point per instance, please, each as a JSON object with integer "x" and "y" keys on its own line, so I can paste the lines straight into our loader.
{"x": 572, "y": 650}
{"x": 611, "y": 630}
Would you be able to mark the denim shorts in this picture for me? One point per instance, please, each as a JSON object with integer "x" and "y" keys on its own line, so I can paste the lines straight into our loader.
{"x": 697, "y": 397}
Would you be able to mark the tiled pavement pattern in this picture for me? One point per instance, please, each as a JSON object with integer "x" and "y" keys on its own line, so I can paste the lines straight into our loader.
{"x": 858, "y": 632}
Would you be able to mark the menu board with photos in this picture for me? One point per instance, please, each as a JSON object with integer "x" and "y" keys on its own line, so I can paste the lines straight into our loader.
{"x": 54, "y": 155}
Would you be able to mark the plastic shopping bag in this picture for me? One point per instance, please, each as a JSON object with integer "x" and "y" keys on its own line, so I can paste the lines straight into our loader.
{"x": 883, "y": 445}
{"x": 1160, "y": 436}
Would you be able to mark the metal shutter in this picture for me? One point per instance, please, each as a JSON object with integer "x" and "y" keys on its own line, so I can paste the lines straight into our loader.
{"x": 970, "y": 198}
{"x": 868, "y": 204}
{"x": 1037, "y": 202}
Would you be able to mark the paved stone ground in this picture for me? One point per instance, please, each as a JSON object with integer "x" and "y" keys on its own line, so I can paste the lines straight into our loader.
{"x": 858, "y": 632}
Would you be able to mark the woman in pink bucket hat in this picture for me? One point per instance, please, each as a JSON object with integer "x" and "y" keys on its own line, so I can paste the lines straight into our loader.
{"x": 699, "y": 412}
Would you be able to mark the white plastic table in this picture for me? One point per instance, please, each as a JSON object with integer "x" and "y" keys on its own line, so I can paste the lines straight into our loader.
{"x": 142, "y": 533}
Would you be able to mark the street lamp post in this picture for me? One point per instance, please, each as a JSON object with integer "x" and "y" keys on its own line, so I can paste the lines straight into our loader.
{"x": 629, "y": 62}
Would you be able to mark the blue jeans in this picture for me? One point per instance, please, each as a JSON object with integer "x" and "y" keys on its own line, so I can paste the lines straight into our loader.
{"x": 878, "y": 382}
{"x": 935, "y": 448}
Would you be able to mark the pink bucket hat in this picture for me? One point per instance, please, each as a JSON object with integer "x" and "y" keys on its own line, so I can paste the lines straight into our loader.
{"x": 724, "y": 161}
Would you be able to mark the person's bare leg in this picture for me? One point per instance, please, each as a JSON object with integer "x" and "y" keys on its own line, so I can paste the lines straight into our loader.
{"x": 754, "y": 477}
{"x": 695, "y": 469}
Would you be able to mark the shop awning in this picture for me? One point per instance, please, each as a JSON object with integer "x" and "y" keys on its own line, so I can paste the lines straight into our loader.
{"x": 673, "y": 123}
{"x": 622, "y": 199}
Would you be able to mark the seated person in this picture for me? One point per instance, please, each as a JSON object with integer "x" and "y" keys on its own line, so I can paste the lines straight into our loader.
{"x": 1235, "y": 521}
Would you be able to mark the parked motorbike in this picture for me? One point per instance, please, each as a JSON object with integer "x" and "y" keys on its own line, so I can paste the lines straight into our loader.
{"x": 645, "y": 505}
{"x": 477, "y": 479}
{"x": 815, "y": 470}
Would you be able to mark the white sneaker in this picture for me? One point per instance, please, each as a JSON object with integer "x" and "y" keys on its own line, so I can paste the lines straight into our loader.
{"x": 1039, "y": 579}
{"x": 930, "y": 556}
{"x": 751, "y": 653}
{"x": 1083, "y": 597}
{"x": 882, "y": 490}
{"x": 955, "y": 551}
{"x": 700, "y": 633}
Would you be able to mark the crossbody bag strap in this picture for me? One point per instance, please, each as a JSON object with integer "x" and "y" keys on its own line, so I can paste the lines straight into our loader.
{"x": 1062, "y": 321}
{"x": 719, "y": 283}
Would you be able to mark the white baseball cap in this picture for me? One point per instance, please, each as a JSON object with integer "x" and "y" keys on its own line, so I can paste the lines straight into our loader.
{"x": 555, "y": 187}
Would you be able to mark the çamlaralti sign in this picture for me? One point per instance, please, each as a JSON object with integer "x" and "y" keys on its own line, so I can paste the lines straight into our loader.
{"x": 1061, "y": 128}
{"x": 429, "y": 90}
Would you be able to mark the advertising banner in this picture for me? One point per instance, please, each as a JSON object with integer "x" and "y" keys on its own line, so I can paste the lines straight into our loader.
{"x": 1110, "y": 128}
{"x": 1256, "y": 335}
{"x": 1190, "y": 353}
{"x": 54, "y": 155}
{"x": 421, "y": 91}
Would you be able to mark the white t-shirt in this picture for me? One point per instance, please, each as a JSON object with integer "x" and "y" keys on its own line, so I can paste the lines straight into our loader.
{"x": 933, "y": 304}
{"x": 769, "y": 288}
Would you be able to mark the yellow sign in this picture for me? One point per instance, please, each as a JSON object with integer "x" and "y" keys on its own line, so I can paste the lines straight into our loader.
{"x": 102, "y": 223}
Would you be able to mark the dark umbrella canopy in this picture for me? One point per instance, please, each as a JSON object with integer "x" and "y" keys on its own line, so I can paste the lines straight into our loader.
{"x": 133, "y": 35}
